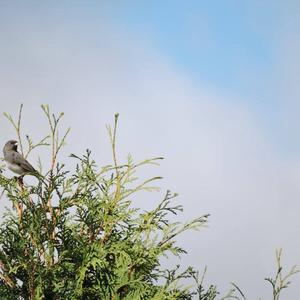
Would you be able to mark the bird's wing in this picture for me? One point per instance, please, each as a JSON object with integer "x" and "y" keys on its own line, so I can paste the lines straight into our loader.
{"x": 22, "y": 162}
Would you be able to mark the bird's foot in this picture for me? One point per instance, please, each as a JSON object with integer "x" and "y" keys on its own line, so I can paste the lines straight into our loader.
{"x": 20, "y": 181}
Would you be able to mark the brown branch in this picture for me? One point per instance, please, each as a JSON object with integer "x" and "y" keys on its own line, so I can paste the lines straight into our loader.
{"x": 5, "y": 278}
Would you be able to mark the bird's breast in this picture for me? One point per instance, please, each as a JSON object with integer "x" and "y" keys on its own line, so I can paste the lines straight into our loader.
{"x": 15, "y": 168}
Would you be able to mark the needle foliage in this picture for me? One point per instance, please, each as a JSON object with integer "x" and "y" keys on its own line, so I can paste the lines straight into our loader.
{"x": 75, "y": 234}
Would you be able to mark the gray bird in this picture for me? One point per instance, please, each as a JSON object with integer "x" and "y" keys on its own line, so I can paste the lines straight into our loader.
{"x": 15, "y": 161}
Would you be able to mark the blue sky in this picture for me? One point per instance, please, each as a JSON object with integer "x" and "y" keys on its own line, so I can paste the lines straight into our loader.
{"x": 231, "y": 46}
{"x": 213, "y": 86}
{"x": 214, "y": 42}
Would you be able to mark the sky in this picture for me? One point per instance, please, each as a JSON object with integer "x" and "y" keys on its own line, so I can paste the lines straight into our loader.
{"x": 213, "y": 86}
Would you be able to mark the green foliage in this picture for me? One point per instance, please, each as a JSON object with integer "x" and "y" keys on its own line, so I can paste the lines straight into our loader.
{"x": 76, "y": 235}
{"x": 280, "y": 282}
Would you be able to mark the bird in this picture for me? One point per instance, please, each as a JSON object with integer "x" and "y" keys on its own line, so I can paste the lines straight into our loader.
{"x": 16, "y": 161}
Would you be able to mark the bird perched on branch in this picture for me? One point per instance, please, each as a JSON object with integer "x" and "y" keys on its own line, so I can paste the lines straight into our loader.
{"x": 16, "y": 161}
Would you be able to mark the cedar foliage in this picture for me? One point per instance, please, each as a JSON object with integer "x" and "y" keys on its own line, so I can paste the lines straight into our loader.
{"x": 75, "y": 235}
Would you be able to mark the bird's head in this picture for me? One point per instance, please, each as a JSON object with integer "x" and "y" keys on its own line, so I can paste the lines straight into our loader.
{"x": 11, "y": 145}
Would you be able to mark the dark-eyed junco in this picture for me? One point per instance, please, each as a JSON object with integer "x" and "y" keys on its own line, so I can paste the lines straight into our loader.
{"x": 15, "y": 161}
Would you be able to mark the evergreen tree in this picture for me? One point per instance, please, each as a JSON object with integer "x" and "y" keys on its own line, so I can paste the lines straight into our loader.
{"x": 76, "y": 235}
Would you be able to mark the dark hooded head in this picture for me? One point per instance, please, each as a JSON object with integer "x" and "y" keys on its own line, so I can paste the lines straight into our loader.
{"x": 11, "y": 145}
